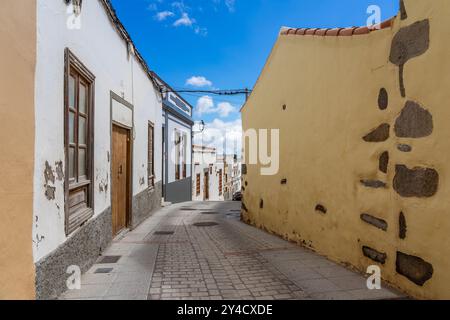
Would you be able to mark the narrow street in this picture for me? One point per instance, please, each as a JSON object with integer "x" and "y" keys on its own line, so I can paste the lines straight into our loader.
{"x": 201, "y": 250}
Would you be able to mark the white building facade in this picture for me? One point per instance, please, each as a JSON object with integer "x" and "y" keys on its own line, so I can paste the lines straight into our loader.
{"x": 98, "y": 155}
{"x": 177, "y": 134}
{"x": 208, "y": 183}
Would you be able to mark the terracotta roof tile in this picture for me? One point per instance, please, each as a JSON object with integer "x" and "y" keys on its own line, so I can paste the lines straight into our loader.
{"x": 347, "y": 31}
{"x": 361, "y": 30}
{"x": 333, "y": 32}
{"x": 321, "y": 32}
{"x": 350, "y": 31}
{"x": 311, "y": 32}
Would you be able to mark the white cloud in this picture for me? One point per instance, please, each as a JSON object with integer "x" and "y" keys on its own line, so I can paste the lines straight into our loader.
{"x": 206, "y": 105}
{"x": 199, "y": 82}
{"x": 161, "y": 16}
{"x": 201, "y": 31}
{"x": 222, "y": 135}
{"x": 230, "y": 5}
{"x": 185, "y": 20}
{"x": 224, "y": 109}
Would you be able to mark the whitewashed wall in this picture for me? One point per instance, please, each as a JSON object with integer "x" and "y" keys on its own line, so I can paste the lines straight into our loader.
{"x": 98, "y": 45}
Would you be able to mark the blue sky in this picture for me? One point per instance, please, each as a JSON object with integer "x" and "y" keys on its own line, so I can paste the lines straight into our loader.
{"x": 223, "y": 44}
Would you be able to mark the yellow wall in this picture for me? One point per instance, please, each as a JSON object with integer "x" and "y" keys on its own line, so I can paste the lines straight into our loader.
{"x": 331, "y": 86}
{"x": 17, "y": 65}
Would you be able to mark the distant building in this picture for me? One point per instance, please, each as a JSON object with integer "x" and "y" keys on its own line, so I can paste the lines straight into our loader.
{"x": 232, "y": 175}
{"x": 208, "y": 182}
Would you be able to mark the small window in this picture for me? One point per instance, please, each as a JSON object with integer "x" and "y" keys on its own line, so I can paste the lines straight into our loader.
{"x": 78, "y": 127}
{"x": 151, "y": 156}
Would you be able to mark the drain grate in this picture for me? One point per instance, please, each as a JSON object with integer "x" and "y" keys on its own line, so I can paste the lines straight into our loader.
{"x": 164, "y": 233}
{"x": 109, "y": 259}
{"x": 104, "y": 270}
{"x": 206, "y": 224}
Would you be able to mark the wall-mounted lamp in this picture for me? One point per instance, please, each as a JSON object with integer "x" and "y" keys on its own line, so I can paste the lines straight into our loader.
{"x": 201, "y": 127}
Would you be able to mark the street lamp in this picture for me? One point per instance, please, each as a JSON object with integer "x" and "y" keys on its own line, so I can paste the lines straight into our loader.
{"x": 201, "y": 126}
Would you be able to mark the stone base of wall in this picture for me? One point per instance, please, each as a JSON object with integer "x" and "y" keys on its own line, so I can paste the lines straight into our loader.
{"x": 81, "y": 249}
{"x": 145, "y": 203}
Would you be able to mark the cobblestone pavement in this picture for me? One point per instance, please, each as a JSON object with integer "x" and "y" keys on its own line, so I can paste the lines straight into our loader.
{"x": 201, "y": 250}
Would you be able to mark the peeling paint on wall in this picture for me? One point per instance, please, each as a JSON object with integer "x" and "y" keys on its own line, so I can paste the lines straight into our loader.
{"x": 59, "y": 170}
{"x": 49, "y": 186}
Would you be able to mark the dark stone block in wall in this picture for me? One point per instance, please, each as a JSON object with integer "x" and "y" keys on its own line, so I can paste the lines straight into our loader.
{"x": 374, "y": 255}
{"x": 402, "y": 226}
{"x": 376, "y": 184}
{"x": 410, "y": 42}
{"x": 414, "y": 268}
{"x": 404, "y": 148}
{"x": 244, "y": 169}
{"x": 384, "y": 162}
{"x": 414, "y": 122}
{"x": 379, "y": 134}
{"x": 321, "y": 208}
{"x": 417, "y": 182}
{"x": 403, "y": 13}
{"x": 383, "y": 99}
{"x": 376, "y": 222}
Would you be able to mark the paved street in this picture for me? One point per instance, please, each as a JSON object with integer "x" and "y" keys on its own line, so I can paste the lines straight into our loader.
{"x": 170, "y": 257}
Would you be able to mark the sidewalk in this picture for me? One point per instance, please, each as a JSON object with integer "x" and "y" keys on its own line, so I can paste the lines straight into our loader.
{"x": 201, "y": 250}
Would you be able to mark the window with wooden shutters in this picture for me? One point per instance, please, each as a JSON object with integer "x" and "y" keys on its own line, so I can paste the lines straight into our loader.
{"x": 151, "y": 156}
{"x": 184, "y": 155}
{"x": 78, "y": 137}
{"x": 177, "y": 138}
{"x": 198, "y": 185}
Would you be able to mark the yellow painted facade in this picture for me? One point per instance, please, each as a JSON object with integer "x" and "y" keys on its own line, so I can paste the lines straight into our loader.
{"x": 17, "y": 65}
{"x": 330, "y": 86}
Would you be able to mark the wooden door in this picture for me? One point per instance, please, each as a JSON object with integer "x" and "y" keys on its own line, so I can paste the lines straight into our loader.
{"x": 206, "y": 186}
{"x": 120, "y": 178}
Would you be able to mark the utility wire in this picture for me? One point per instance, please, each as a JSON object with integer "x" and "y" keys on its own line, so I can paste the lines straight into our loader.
{"x": 233, "y": 92}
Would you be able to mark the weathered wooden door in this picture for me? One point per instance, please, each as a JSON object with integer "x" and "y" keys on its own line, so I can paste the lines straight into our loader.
{"x": 206, "y": 186}
{"x": 120, "y": 178}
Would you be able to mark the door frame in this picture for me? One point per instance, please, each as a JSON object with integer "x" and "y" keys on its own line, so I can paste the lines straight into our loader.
{"x": 130, "y": 155}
